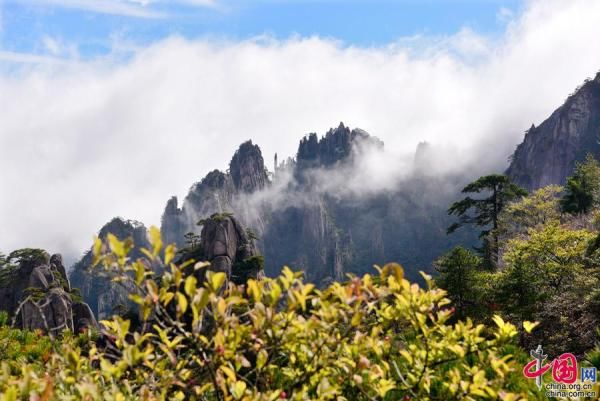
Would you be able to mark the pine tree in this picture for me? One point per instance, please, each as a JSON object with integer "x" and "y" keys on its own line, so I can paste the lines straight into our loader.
{"x": 582, "y": 191}
{"x": 457, "y": 271}
{"x": 484, "y": 212}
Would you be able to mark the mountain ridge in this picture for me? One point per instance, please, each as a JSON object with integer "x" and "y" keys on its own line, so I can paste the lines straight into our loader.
{"x": 303, "y": 224}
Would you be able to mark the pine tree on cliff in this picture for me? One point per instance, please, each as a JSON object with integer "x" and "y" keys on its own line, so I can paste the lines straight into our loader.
{"x": 484, "y": 212}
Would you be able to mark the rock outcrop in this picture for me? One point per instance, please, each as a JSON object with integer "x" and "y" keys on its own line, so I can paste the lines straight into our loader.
{"x": 247, "y": 168}
{"x": 549, "y": 152}
{"x": 336, "y": 146}
{"x": 226, "y": 245}
{"x": 35, "y": 291}
{"x": 104, "y": 296}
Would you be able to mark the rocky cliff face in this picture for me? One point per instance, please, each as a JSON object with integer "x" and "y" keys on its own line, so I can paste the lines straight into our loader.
{"x": 548, "y": 153}
{"x": 305, "y": 234}
{"x": 247, "y": 169}
{"x": 35, "y": 291}
{"x": 105, "y": 297}
{"x": 306, "y": 237}
{"x": 218, "y": 192}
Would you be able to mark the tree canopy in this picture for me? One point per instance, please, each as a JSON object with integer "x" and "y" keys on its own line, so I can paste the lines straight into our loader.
{"x": 582, "y": 190}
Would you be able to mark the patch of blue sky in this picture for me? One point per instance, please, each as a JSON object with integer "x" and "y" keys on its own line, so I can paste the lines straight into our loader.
{"x": 91, "y": 27}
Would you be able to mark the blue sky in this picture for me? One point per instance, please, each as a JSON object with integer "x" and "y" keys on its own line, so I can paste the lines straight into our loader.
{"x": 90, "y": 26}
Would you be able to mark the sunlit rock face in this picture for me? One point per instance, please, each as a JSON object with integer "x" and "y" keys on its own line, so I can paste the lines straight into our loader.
{"x": 549, "y": 152}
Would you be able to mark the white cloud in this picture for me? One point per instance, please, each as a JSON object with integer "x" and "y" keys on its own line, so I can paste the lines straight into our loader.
{"x": 82, "y": 142}
{"x": 57, "y": 47}
{"x": 10, "y": 57}
{"x": 128, "y": 8}
{"x": 113, "y": 7}
{"x": 504, "y": 15}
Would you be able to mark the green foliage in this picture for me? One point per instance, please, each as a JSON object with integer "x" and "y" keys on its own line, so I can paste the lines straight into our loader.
{"x": 4, "y": 318}
{"x": 593, "y": 357}
{"x": 35, "y": 293}
{"x": 582, "y": 191}
{"x": 372, "y": 338}
{"x": 251, "y": 235}
{"x": 539, "y": 208}
{"x": 485, "y": 212}
{"x": 26, "y": 254}
{"x": 19, "y": 347}
{"x": 549, "y": 274}
{"x": 9, "y": 265}
{"x": 554, "y": 253}
{"x": 192, "y": 240}
{"x": 221, "y": 216}
{"x": 76, "y": 295}
{"x": 547, "y": 278}
{"x": 215, "y": 216}
{"x": 253, "y": 263}
{"x": 7, "y": 273}
{"x": 458, "y": 274}
{"x": 248, "y": 266}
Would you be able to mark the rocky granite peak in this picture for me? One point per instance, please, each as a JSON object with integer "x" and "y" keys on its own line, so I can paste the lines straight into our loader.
{"x": 247, "y": 168}
{"x": 104, "y": 296}
{"x": 337, "y": 145}
{"x": 35, "y": 291}
{"x": 549, "y": 151}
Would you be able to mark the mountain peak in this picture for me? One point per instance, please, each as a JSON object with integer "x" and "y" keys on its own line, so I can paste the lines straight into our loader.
{"x": 335, "y": 146}
{"x": 247, "y": 168}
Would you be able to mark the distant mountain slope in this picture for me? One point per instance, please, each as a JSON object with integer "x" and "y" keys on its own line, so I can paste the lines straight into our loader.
{"x": 548, "y": 153}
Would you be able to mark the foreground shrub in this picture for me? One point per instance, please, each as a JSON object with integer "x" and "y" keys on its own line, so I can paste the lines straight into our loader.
{"x": 371, "y": 338}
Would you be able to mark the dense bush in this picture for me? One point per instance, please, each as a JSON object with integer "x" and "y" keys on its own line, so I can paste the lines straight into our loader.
{"x": 18, "y": 347}
{"x": 374, "y": 337}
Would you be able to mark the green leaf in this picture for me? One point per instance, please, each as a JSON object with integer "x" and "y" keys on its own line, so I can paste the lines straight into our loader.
{"x": 182, "y": 303}
{"x": 238, "y": 389}
{"x": 155, "y": 240}
{"x": 190, "y": 285}
{"x": 529, "y": 326}
{"x": 216, "y": 280}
